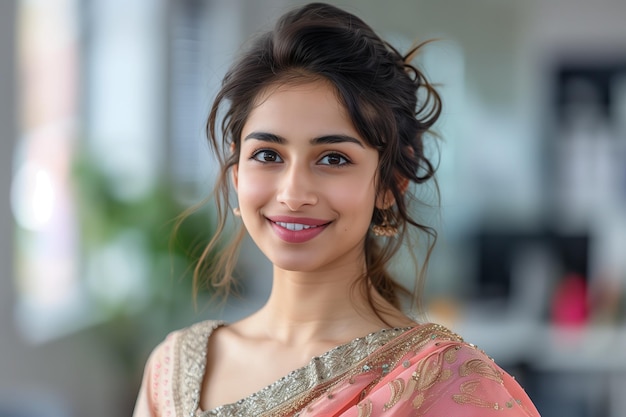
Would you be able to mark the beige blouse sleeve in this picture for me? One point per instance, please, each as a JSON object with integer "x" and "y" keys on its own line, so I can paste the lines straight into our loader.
{"x": 155, "y": 397}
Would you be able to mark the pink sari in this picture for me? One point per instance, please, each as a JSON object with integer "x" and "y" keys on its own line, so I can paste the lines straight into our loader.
{"x": 422, "y": 371}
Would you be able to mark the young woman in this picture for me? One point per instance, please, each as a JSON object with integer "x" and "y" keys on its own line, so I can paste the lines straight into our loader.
{"x": 322, "y": 135}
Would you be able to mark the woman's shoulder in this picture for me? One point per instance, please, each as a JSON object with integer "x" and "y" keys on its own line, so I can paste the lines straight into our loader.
{"x": 436, "y": 331}
{"x": 426, "y": 336}
{"x": 189, "y": 341}
{"x": 186, "y": 344}
{"x": 445, "y": 367}
{"x": 194, "y": 332}
{"x": 165, "y": 386}
{"x": 446, "y": 355}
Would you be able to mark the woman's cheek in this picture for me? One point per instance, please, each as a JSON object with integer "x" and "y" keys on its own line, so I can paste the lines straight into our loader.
{"x": 253, "y": 187}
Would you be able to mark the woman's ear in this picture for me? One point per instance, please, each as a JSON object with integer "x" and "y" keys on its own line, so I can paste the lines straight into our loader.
{"x": 403, "y": 184}
{"x": 386, "y": 199}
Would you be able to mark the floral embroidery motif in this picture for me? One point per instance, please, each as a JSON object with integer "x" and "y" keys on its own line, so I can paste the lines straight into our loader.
{"x": 482, "y": 368}
{"x": 397, "y": 389}
{"x": 430, "y": 370}
{"x": 451, "y": 355}
{"x": 469, "y": 395}
{"x": 428, "y": 373}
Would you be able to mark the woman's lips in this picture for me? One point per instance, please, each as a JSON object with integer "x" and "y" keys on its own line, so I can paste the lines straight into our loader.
{"x": 297, "y": 229}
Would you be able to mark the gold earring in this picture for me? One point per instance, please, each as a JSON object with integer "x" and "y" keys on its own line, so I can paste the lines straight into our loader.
{"x": 237, "y": 212}
{"x": 384, "y": 229}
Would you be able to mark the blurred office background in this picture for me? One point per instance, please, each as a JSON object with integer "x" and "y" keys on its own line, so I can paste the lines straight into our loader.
{"x": 102, "y": 106}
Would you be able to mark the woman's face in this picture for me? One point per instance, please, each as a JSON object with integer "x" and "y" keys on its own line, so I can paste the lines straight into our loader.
{"x": 305, "y": 179}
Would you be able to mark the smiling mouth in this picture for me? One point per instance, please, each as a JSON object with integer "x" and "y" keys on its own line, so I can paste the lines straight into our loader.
{"x": 296, "y": 227}
{"x": 297, "y": 230}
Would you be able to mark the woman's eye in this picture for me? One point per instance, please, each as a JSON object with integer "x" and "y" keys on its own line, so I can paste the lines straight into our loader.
{"x": 334, "y": 159}
{"x": 266, "y": 156}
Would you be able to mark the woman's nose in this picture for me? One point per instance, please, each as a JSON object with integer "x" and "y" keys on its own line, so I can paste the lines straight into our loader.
{"x": 297, "y": 188}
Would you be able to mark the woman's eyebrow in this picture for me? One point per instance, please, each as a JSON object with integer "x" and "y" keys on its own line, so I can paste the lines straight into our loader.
{"x": 266, "y": 137}
{"x": 331, "y": 139}
{"x": 320, "y": 140}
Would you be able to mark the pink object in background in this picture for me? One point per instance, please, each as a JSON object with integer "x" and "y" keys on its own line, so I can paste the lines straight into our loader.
{"x": 569, "y": 304}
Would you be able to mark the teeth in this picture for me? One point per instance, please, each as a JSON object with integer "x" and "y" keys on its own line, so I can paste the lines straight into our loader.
{"x": 296, "y": 227}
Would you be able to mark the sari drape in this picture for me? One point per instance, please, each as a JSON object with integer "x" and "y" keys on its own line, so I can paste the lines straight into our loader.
{"x": 422, "y": 371}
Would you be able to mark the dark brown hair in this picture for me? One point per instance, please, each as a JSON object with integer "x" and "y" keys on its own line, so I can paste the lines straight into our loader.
{"x": 389, "y": 101}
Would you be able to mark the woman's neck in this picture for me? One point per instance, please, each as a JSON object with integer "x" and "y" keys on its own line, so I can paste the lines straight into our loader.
{"x": 323, "y": 306}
